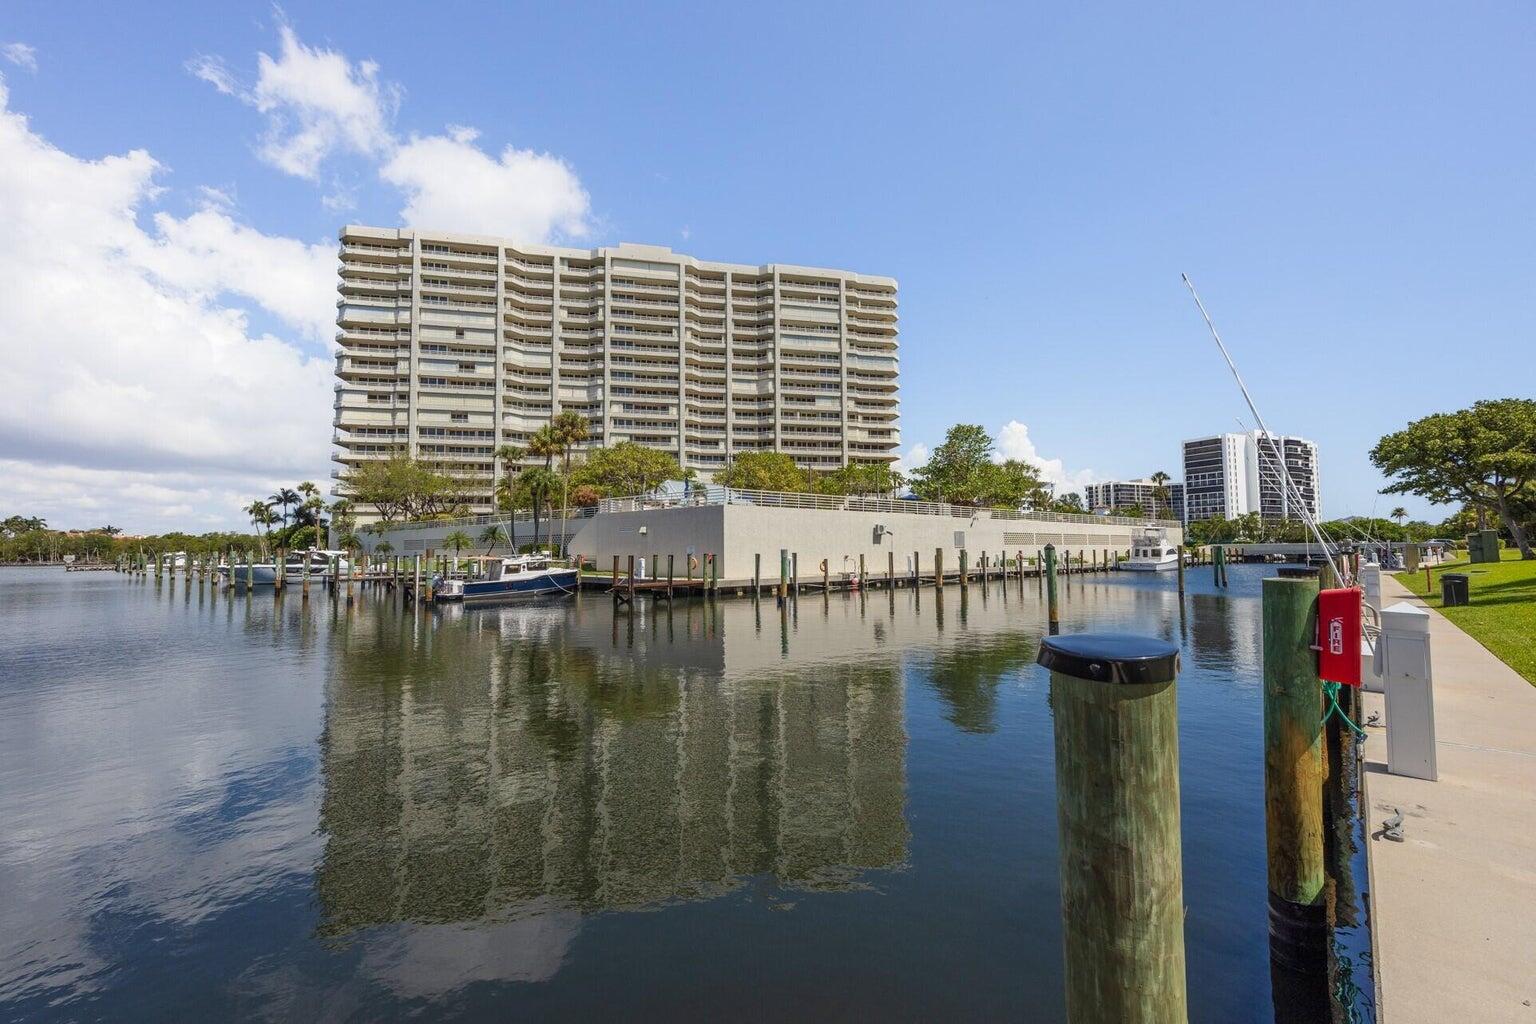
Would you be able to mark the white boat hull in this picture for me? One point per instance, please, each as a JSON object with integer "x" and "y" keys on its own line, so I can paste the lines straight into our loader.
{"x": 1134, "y": 566}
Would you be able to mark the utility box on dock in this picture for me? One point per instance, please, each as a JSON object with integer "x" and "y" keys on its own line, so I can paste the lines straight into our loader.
{"x": 1483, "y": 546}
{"x": 1410, "y": 695}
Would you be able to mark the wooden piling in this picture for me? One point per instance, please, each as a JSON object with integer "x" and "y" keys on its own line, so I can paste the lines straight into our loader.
{"x": 1181, "y": 572}
{"x": 1293, "y": 773}
{"x": 794, "y": 573}
{"x": 669, "y": 574}
{"x": 938, "y": 568}
{"x": 631, "y": 571}
{"x": 890, "y": 570}
{"x": 1115, "y": 712}
{"x": 1053, "y": 615}
{"x": 783, "y": 574}
{"x": 757, "y": 572}
{"x": 964, "y": 568}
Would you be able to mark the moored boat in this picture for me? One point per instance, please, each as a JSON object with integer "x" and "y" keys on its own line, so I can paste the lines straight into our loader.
{"x": 1151, "y": 552}
{"x": 524, "y": 576}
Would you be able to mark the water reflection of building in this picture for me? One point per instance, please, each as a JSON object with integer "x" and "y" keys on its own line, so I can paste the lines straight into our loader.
{"x": 484, "y": 767}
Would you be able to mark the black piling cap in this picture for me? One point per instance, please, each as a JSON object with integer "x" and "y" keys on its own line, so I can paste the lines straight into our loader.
{"x": 1111, "y": 657}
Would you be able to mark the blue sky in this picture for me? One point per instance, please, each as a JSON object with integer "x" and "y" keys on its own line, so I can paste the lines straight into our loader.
{"x": 1350, "y": 188}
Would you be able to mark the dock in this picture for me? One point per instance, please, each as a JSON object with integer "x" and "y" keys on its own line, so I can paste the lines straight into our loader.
{"x": 1454, "y": 904}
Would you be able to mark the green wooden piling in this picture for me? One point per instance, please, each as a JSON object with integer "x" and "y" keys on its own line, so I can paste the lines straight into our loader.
{"x": 1053, "y": 615}
{"x": 1115, "y": 712}
{"x": 1293, "y": 772}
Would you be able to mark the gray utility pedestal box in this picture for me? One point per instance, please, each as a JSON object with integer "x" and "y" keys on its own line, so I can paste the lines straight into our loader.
{"x": 1483, "y": 546}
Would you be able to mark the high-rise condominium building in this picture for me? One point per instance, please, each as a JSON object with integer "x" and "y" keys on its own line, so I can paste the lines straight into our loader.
{"x": 1112, "y": 494}
{"x": 451, "y": 345}
{"x": 1233, "y": 474}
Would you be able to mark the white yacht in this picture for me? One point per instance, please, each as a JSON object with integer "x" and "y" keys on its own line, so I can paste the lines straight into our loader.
{"x": 264, "y": 573}
{"x": 1151, "y": 552}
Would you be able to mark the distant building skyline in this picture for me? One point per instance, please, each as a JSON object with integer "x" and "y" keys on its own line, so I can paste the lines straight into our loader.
{"x": 1107, "y": 495}
{"x": 1232, "y": 474}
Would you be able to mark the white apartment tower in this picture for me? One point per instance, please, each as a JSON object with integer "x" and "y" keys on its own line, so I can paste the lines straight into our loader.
{"x": 1105, "y": 497}
{"x": 1233, "y": 474}
{"x": 451, "y": 345}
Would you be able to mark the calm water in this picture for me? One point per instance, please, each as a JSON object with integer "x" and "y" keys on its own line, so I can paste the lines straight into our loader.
{"x": 216, "y": 808}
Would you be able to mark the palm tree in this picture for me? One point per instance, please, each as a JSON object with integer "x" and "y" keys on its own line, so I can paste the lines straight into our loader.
{"x": 383, "y": 547}
{"x": 1399, "y": 514}
{"x": 534, "y": 486}
{"x": 261, "y": 515}
{"x": 571, "y": 428}
{"x": 491, "y": 536}
{"x": 1160, "y": 492}
{"x": 285, "y": 496}
{"x": 457, "y": 541}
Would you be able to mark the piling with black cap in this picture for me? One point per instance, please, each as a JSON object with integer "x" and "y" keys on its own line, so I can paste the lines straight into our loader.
{"x": 1114, "y": 703}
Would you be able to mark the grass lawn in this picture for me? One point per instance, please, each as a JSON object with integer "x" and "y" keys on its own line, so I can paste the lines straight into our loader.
{"x": 1502, "y": 615}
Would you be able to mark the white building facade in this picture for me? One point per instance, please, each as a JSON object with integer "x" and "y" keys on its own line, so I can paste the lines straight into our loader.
{"x": 1233, "y": 474}
{"x": 451, "y": 345}
{"x": 1105, "y": 497}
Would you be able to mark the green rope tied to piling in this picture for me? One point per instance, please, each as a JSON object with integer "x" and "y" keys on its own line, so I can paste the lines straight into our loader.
{"x": 1331, "y": 695}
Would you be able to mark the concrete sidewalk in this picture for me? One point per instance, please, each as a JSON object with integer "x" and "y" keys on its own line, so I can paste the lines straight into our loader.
{"x": 1454, "y": 904}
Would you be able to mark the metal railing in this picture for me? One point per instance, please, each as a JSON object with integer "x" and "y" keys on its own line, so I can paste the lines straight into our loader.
{"x": 713, "y": 494}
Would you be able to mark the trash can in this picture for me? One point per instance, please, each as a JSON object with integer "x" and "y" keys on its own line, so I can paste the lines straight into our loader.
{"x": 1454, "y": 589}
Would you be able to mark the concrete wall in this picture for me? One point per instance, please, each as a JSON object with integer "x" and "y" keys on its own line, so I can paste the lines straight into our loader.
{"x": 653, "y": 535}
{"x": 738, "y": 532}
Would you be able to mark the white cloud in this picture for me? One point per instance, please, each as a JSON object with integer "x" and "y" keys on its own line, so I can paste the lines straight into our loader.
{"x": 451, "y": 184}
{"x": 1013, "y": 442}
{"x": 209, "y": 253}
{"x": 916, "y": 455}
{"x": 122, "y": 356}
{"x": 316, "y": 102}
{"x": 213, "y": 71}
{"x": 20, "y": 54}
{"x": 319, "y": 103}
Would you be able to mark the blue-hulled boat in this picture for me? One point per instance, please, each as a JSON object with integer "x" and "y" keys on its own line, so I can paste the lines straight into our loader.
{"x": 525, "y": 576}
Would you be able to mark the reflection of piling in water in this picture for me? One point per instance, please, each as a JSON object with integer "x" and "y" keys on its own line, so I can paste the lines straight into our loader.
{"x": 1114, "y": 705}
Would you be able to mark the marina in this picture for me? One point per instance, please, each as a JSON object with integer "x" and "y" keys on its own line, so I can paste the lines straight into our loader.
{"x": 848, "y": 795}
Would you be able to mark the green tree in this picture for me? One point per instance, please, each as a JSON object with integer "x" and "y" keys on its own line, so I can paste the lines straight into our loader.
{"x": 571, "y": 429}
{"x": 261, "y": 516}
{"x": 533, "y": 489}
{"x": 1071, "y": 503}
{"x": 1160, "y": 496}
{"x": 284, "y": 497}
{"x": 763, "y": 471}
{"x": 491, "y": 536}
{"x": 401, "y": 488}
{"x": 384, "y": 547}
{"x": 956, "y": 470}
{"x": 1484, "y": 456}
{"x": 626, "y": 468}
{"x": 1399, "y": 514}
{"x": 1012, "y": 484}
{"x": 1132, "y": 511}
{"x": 457, "y": 541}
{"x": 1215, "y": 530}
